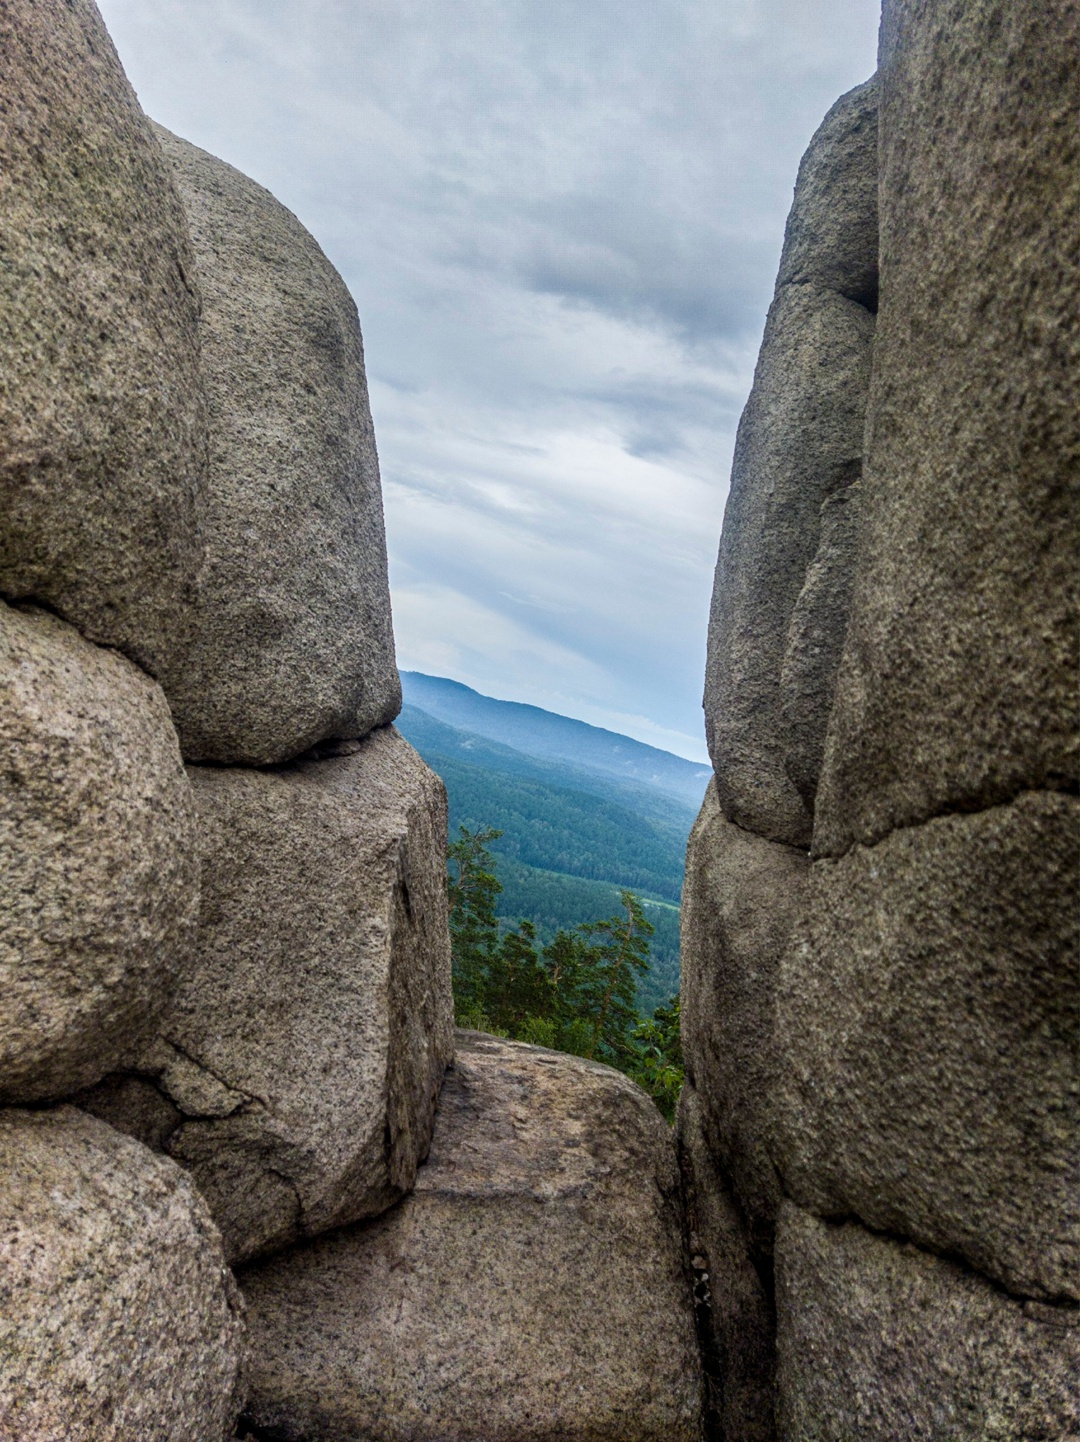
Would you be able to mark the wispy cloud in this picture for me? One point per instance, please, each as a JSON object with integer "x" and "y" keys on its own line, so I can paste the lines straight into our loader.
{"x": 560, "y": 220}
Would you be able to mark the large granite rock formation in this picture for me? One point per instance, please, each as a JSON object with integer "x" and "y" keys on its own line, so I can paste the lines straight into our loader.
{"x": 926, "y": 1026}
{"x": 815, "y": 641}
{"x": 297, "y": 1072}
{"x": 741, "y": 899}
{"x": 919, "y": 1073}
{"x": 293, "y": 642}
{"x": 532, "y": 1287}
{"x": 102, "y": 425}
{"x": 98, "y": 880}
{"x": 736, "y": 1320}
{"x": 959, "y": 683}
{"x": 800, "y": 441}
{"x": 118, "y": 1317}
{"x": 879, "y": 1340}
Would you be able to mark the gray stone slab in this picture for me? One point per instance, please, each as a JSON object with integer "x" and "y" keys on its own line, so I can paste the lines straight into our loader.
{"x": 741, "y": 899}
{"x": 926, "y": 1036}
{"x": 99, "y": 883}
{"x": 297, "y": 1072}
{"x": 881, "y": 1342}
{"x": 118, "y": 1316}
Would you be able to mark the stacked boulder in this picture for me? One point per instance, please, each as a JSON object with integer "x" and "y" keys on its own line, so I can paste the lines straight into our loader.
{"x": 297, "y": 1071}
{"x": 118, "y": 1317}
{"x": 224, "y": 947}
{"x": 880, "y": 927}
{"x": 238, "y": 969}
{"x": 776, "y": 632}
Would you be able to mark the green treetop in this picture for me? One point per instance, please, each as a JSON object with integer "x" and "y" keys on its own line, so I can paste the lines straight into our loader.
{"x": 577, "y": 994}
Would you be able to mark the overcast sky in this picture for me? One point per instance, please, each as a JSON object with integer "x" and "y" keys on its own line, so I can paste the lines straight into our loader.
{"x": 561, "y": 221}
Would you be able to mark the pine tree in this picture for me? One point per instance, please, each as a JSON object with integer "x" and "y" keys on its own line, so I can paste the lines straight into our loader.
{"x": 578, "y": 994}
{"x": 660, "y": 1067}
{"x": 472, "y": 891}
{"x": 518, "y": 984}
{"x": 608, "y": 989}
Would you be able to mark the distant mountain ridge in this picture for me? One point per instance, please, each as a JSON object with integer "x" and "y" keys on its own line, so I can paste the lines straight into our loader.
{"x": 428, "y": 734}
{"x": 551, "y": 737}
{"x": 574, "y": 833}
{"x": 547, "y": 820}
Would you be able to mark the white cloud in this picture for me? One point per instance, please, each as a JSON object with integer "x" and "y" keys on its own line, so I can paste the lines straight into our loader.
{"x": 560, "y": 219}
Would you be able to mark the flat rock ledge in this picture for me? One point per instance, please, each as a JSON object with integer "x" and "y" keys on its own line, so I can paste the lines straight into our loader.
{"x": 533, "y": 1286}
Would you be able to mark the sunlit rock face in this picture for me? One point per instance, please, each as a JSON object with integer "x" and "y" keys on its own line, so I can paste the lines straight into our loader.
{"x": 532, "y": 1286}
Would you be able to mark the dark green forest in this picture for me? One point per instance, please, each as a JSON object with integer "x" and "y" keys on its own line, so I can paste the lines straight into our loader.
{"x": 565, "y": 831}
{"x": 576, "y": 993}
{"x": 554, "y": 902}
{"x": 572, "y": 840}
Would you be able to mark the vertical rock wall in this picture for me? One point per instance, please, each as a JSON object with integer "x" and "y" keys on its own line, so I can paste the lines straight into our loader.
{"x": 245, "y": 969}
{"x": 118, "y": 1317}
{"x": 880, "y": 988}
{"x": 800, "y": 443}
{"x": 779, "y": 618}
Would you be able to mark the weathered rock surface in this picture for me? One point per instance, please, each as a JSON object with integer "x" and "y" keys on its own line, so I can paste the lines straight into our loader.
{"x": 293, "y": 639}
{"x": 297, "y": 1072}
{"x": 926, "y": 1026}
{"x": 532, "y": 1286}
{"x": 958, "y": 687}
{"x": 98, "y": 884}
{"x": 734, "y": 1301}
{"x": 118, "y": 1317}
{"x": 800, "y": 440}
{"x": 741, "y": 898}
{"x": 815, "y": 641}
{"x": 881, "y": 1342}
{"x": 102, "y": 424}
{"x": 831, "y": 236}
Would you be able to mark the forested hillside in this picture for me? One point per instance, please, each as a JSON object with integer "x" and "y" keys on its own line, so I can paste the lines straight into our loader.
{"x": 547, "y": 735}
{"x": 572, "y": 839}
